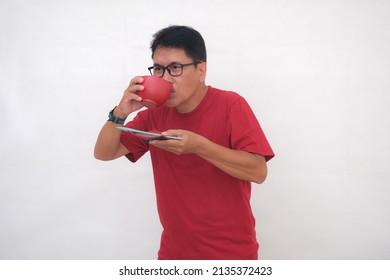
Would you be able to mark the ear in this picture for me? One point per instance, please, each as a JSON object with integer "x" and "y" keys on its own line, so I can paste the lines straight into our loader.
{"x": 202, "y": 71}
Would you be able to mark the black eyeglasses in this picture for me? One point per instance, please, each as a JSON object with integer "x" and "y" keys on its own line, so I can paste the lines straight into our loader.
{"x": 174, "y": 70}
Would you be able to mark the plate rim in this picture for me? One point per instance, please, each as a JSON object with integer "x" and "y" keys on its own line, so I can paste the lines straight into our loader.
{"x": 137, "y": 131}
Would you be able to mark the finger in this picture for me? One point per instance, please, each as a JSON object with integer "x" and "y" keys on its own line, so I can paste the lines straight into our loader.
{"x": 136, "y": 80}
{"x": 131, "y": 91}
{"x": 133, "y": 96}
{"x": 173, "y": 132}
{"x": 157, "y": 143}
{"x": 166, "y": 143}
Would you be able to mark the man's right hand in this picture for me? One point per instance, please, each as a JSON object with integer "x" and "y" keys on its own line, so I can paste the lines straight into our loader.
{"x": 130, "y": 101}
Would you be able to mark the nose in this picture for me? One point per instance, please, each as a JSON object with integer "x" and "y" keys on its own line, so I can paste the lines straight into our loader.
{"x": 167, "y": 77}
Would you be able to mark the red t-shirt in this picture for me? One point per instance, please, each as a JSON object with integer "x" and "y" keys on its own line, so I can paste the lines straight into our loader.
{"x": 205, "y": 213}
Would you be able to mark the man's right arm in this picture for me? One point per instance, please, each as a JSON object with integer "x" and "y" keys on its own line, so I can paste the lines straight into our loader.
{"x": 108, "y": 145}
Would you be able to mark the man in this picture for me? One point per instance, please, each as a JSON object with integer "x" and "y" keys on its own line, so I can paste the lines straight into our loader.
{"x": 203, "y": 182}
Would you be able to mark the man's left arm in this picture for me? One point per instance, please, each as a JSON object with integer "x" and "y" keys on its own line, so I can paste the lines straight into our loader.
{"x": 239, "y": 164}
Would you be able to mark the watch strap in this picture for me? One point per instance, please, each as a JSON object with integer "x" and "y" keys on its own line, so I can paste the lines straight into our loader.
{"x": 114, "y": 119}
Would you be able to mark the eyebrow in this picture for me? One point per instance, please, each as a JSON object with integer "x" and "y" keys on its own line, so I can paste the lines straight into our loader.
{"x": 170, "y": 64}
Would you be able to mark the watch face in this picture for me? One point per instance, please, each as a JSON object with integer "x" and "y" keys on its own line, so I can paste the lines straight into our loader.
{"x": 148, "y": 135}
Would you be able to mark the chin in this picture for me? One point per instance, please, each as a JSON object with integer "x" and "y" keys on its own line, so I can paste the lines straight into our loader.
{"x": 170, "y": 103}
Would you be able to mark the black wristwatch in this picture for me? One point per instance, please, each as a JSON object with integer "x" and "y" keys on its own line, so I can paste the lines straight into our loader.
{"x": 114, "y": 119}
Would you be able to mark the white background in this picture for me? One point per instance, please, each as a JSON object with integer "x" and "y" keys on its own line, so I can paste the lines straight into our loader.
{"x": 316, "y": 73}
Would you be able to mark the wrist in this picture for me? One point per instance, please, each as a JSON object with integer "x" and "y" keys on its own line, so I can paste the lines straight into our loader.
{"x": 115, "y": 118}
{"x": 117, "y": 113}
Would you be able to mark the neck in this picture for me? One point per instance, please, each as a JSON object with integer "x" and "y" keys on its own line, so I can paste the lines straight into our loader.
{"x": 195, "y": 100}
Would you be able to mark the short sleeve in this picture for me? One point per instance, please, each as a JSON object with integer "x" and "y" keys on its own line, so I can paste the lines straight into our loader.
{"x": 245, "y": 131}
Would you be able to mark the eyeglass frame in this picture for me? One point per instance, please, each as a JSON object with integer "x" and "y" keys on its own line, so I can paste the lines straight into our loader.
{"x": 169, "y": 71}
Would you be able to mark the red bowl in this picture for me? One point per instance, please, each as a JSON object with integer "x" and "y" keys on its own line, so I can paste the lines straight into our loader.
{"x": 156, "y": 91}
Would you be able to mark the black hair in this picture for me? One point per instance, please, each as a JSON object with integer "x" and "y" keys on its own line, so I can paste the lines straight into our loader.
{"x": 181, "y": 37}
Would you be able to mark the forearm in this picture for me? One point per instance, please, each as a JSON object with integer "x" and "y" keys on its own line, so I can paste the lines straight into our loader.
{"x": 239, "y": 164}
{"x": 108, "y": 145}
